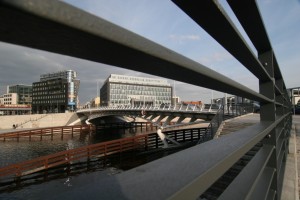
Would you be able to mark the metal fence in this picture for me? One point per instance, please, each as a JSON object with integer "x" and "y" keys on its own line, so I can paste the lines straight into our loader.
{"x": 225, "y": 112}
{"x": 189, "y": 173}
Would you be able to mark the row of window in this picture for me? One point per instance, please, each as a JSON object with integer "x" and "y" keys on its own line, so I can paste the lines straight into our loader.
{"x": 139, "y": 92}
{"x": 52, "y": 102}
{"x": 47, "y": 88}
{"x": 47, "y": 92}
{"x": 140, "y": 87}
{"x": 127, "y": 102}
{"x": 49, "y": 97}
{"x": 40, "y": 84}
{"x": 146, "y": 98}
{"x": 137, "y": 79}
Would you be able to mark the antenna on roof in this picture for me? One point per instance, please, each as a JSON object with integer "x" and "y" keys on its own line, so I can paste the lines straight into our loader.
{"x": 174, "y": 95}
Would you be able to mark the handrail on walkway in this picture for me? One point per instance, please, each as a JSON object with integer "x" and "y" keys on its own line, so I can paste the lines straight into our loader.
{"x": 37, "y": 26}
{"x": 230, "y": 112}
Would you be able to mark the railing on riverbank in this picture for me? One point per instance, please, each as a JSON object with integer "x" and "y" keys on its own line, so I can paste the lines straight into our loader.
{"x": 30, "y": 120}
{"x": 143, "y": 126}
{"x": 142, "y": 143}
{"x": 190, "y": 173}
{"x": 47, "y": 132}
{"x": 147, "y": 126}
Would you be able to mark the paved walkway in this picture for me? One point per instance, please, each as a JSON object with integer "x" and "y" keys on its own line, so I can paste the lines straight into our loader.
{"x": 291, "y": 180}
{"x": 291, "y": 184}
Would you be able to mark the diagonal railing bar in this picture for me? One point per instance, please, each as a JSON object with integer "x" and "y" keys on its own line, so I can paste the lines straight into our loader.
{"x": 212, "y": 18}
{"x": 247, "y": 12}
{"x": 58, "y": 27}
{"x": 64, "y": 28}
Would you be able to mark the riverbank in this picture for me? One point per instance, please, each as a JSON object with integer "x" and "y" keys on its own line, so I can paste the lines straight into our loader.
{"x": 38, "y": 120}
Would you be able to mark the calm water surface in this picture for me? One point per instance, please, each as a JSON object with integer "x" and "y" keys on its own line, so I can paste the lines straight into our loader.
{"x": 42, "y": 186}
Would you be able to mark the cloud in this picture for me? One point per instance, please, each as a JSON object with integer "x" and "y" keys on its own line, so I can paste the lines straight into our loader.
{"x": 184, "y": 38}
{"x": 215, "y": 57}
{"x": 166, "y": 24}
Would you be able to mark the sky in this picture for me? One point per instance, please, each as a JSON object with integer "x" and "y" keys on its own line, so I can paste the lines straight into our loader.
{"x": 164, "y": 23}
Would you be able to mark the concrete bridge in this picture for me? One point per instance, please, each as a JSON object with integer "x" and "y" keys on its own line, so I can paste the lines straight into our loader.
{"x": 155, "y": 114}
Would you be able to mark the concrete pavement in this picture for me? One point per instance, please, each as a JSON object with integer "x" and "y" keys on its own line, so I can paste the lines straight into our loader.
{"x": 290, "y": 190}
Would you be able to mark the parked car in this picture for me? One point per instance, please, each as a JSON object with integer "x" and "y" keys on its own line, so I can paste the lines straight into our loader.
{"x": 297, "y": 110}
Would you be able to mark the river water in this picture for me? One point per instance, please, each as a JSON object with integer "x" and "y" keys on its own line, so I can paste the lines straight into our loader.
{"x": 44, "y": 185}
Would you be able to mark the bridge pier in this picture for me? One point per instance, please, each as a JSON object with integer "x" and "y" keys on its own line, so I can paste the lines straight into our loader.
{"x": 181, "y": 118}
{"x": 168, "y": 120}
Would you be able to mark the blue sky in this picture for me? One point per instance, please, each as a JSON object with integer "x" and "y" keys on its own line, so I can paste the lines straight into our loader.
{"x": 163, "y": 22}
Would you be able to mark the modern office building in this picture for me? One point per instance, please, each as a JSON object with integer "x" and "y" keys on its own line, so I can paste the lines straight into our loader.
{"x": 23, "y": 92}
{"x": 120, "y": 90}
{"x": 55, "y": 92}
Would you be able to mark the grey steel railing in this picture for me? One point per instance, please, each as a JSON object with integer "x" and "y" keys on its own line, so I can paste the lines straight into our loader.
{"x": 58, "y": 27}
{"x": 225, "y": 112}
{"x": 205, "y": 108}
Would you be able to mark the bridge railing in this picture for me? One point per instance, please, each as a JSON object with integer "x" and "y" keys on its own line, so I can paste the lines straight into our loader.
{"x": 189, "y": 173}
{"x": 172, "y": 108}
{"x": 225, "y": 112}
{"x": 142, "y": 143}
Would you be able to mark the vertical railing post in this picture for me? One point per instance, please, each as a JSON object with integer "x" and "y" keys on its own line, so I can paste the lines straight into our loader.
{"x": 146, "y": 142}
{"x": 156, "y": 140}
{"x": 72, "y": 131}
{"x": 268, "y": 113}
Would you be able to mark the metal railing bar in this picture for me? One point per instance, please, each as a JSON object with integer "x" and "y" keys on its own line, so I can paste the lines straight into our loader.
{"x": 255, "y": 31}
{"x": 249, "y": 176}
{"x": 277, "y": 72}
{"x": 211, "y": 17}
{"x": 202, "y": 172}
{"x": 271, "y": 195}
{"x": 99, "y": 35}
{"x": 262, "y": 187}
{"x": 246, "y": 13}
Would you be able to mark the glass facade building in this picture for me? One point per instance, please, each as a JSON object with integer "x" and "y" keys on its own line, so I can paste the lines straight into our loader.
{"x": 120, "y": 90}
{"x": 23, "y": 92}
{"x": 55, "y": 92}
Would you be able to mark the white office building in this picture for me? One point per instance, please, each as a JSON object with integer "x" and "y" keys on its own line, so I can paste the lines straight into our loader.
{"x": 120, "y": 90}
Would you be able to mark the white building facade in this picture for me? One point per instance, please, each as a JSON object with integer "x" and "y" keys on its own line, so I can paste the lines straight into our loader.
{"x": 119, "y": 90}
{"x": 9, "y": 99}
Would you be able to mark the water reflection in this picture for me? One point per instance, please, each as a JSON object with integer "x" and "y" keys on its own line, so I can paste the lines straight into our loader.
{"x": 13, "y": 151}
{"x": 41, "y": 185}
